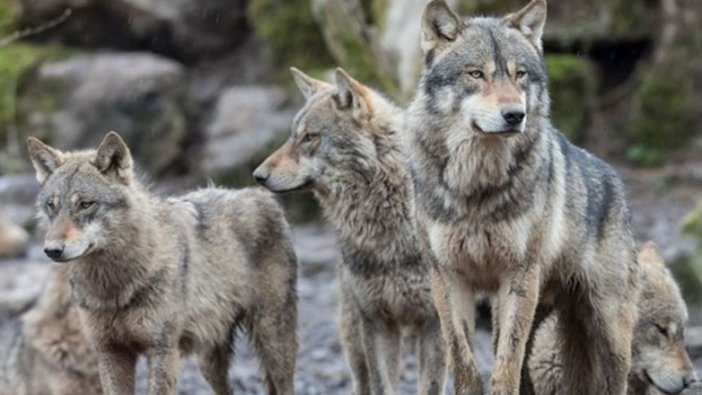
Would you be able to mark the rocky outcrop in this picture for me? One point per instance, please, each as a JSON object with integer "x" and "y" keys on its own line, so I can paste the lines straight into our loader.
{"x": 73, "y": 103}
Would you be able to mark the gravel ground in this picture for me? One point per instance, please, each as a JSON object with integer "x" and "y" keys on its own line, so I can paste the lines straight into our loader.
{"x": 658, "y": 207}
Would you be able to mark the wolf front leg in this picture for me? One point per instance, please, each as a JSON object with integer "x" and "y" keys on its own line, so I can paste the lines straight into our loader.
{"x": 517, "y": 299}
{"x": 432, "y": 359}
{"x": 455, "y": 303}
{"x": 116, "y": 366}
{"x": 163, "y": 364}
{"x": 381, "y": 343}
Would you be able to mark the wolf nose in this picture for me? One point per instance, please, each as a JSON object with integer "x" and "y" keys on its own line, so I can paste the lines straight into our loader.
{"x": 53, "y": 253}
{"x": 513, "y": 117}
{"x": 260, "y": 177}
{"x": 690, "y": 380}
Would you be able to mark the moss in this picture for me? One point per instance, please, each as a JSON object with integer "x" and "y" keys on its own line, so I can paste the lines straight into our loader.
{"x": 9, "y": 13}
{"x": 289, "y": 29}
{"x": 666, "y": 114}
{"x": 573, "y": 82}
{"x": 687, "y": 272}
{"x": 631, "y": 16}
{"x": 15, "y": 61}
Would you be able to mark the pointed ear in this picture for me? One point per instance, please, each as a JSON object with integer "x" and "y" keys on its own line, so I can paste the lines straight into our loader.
{"x": 530, "y": 20}
{"x": 440, "y": 26}
{"x": 308, "y": 85}
{"x": 351, "y": 95}
{"x": 44, "y": 158}
{"x": 650, "y": 255}
{"x": 113, "y": 159}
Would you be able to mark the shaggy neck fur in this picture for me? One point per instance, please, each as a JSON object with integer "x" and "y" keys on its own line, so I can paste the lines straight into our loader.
{"x": 110, "y": 277}
{"x": 357, "y": 202}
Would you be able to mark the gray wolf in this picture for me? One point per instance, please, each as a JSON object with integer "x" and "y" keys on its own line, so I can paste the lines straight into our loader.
{"x": 168, "y": 277}
{"x": 44, "y": 351}
{"x": 509, "y": 208}
{"x": 660, "y": 364}
{"x": 346, "y": 147}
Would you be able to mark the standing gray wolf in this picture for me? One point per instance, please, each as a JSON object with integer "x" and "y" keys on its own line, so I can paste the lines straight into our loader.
{"x": 44, "y": 351}
{"x": 345, "y": 146}
{"x": 509, "y": 208}
{"x": 165, "y": 278}
{"x": 660, "y": 364}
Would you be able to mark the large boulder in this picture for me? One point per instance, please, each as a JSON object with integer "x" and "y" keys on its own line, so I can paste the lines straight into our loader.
{"x": 184, "y": 29}
{"x": 73, "y": 103}
{"x": 247, "y": 124}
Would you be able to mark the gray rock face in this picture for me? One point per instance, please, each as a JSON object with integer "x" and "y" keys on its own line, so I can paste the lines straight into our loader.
{"x": 187, "y": 30}
{"x": 73, "y": 103}
{"x": 247, "y": 120}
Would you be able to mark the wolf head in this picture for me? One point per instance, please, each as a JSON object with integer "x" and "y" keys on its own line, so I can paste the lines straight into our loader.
{"x": 484, "y": 77}
{"x": 81, "y": 195}
{"x": 658, "y": 350}
{"x": 336, "y": 135}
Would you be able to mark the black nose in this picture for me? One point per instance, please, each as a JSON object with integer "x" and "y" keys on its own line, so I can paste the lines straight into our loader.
{"x": 260, "y": 178}
{"x": 513, "y": 117}
{"x": 53, "y": 253}
{"x": 690, "y": 380}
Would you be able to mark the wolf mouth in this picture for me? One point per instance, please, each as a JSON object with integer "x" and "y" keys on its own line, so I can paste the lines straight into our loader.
{"x": 506, "y": 132}
{"x": 301, "y": 188}
{"x": 650, "y": 380}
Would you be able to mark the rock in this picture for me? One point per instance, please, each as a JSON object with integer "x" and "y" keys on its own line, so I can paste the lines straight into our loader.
{"x": 73, "y": 103}
{"x": 13, "y": 239}
{"x": 247, "y": 124}
{"x": 184, "y": 29}
{"x": 18, "y": 194}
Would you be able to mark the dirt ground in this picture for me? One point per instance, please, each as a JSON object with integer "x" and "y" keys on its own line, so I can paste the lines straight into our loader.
{"x": 659, "y": 198}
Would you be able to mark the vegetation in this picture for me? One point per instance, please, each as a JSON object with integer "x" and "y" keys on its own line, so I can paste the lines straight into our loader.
{"x": 573, "y": 82}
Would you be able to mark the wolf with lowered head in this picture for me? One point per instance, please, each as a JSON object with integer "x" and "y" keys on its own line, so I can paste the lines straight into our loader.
{"x": 508, "y": 207}
{"x": 346, "y": 147}
{"x": 168, "y": 277}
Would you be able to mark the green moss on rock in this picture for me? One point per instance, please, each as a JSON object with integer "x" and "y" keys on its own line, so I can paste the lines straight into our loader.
{"x": 9, "y": 13}
{"x": 573, "y": 82}
{"x": 289, "y": 29}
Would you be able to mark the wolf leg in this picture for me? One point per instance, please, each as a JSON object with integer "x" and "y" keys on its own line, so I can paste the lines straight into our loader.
{"x": 455, "y": 303}
{"x": 517, "y": 299}
{"x": 116, "y": 367}
{"x": 214, "y": 365}
{"x": 163, "y": 370}
{"x": 381, "y": 343}
{"x": 274, "y": 335}
{"x": 611, "y": 328}
{"x": 432, "y": 359}
{"x": 352, "y": 343}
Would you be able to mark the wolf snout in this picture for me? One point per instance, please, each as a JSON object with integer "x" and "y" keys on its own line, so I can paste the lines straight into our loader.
{"x": 513, "y": 117}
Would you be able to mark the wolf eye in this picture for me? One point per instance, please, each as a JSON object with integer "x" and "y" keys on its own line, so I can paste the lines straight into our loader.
{"x": 520, "y": 74}
{"x": 307, "y": 137}
{"x": 477, "y": 74}
{"x": 85, "y": 205}
{"x": 51, "y": 205}
{"x": 662, "y": 330}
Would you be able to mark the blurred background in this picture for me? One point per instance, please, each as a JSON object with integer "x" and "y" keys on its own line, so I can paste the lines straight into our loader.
{"x": 200, "y": 89}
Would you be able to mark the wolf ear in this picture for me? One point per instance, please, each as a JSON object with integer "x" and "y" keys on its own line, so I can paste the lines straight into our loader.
{"x": 440, "y": 26}
{"x": 650, "y": 255}
{"x": 351, "y": 95}
{"x": 44, "y": 158}
{"x": 113, "y": 158}
{"x": 308, "y": 85}
{"x": 530, "y": 20}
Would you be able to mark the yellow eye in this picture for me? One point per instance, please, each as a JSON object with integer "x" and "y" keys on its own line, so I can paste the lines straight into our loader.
{"x": 85, "y": 205}
{"x": 520, "y": 74}
{"x": 477, "y": 74}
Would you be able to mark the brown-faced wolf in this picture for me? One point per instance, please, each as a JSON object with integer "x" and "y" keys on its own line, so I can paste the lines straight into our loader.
{"x": 345, "y": 146}
{"x": 44, "y": 351}
{"x": 659, "y": 365}
{"x": 165, "y": 278}
{"x": 510, "y": 208}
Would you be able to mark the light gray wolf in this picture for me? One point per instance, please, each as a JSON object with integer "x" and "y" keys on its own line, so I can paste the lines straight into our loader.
{"x": 346, "y": 147}
{"x": 44, "y": 351}
{"x": 509, "y": 208}
{"x": 168, "y": 277}
{"x": 660, "y": 364}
